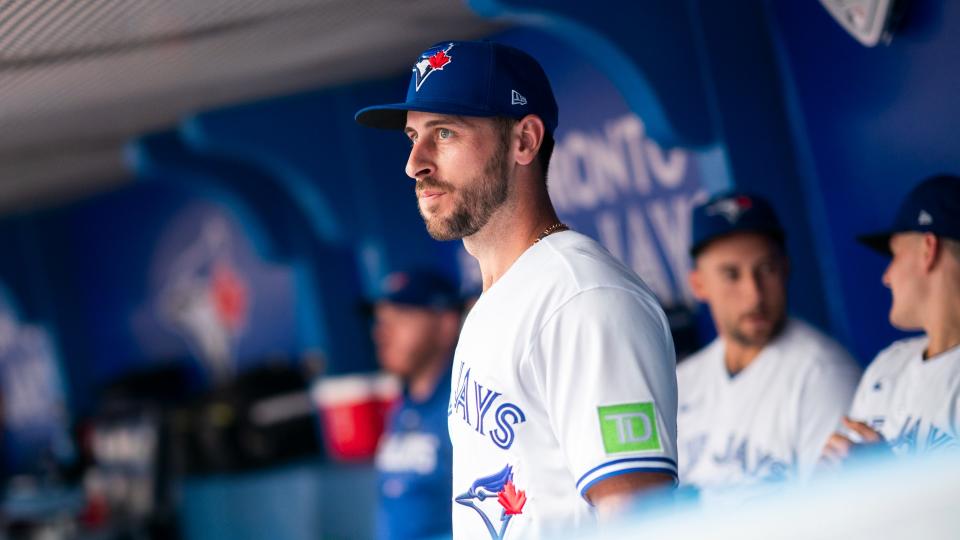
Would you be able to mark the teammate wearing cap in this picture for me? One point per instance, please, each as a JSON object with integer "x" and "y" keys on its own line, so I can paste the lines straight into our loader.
{"x": 564, "y": 388}
{"x": 909, "y": 397}
{"x": 757, "y": 403}
{"x": 416, "y": 322}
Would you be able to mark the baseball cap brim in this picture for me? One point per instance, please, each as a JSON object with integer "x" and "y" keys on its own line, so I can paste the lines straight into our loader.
{"x": 879, "y": 242}
{"x": 394, "y": 115}
{"x": 775, "y": 234}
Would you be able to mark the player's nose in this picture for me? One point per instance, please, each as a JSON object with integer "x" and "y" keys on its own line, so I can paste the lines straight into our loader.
{"x": 420, "y": 161}
{"x": 886, "y": 276}
{"x": 752, "y": 288}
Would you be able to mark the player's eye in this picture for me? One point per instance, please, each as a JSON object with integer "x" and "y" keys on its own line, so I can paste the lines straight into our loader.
{"x": 444, "y": 133}
{"x": 412, "y": 137}
{"x": 730, "y": 274}
{"x": 768, "y": 268}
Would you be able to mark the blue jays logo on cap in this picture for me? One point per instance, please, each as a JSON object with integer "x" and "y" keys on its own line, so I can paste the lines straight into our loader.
{"x": 432, "y": 59}
{"x": 731, "y": 208}
{"x": 733, "y": 212}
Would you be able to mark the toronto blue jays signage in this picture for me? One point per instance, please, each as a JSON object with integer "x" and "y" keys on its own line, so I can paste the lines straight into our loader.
{"x": 210, "y": 296}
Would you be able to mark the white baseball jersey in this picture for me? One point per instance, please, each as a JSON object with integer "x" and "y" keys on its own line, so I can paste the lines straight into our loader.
{"x": 914, "y": 403}
{"x": 564, "y": 375}
{"x": 770, "y": 421}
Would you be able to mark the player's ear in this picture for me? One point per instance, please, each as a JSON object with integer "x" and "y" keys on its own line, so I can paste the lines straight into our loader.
{"x": 532, "y": 132}
{"x": 695, "y": 279}
{"x": 930, "y": 250}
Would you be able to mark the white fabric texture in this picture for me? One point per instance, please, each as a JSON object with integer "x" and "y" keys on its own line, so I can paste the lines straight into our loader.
{"x": 914, "y": 403}
{"x": 767, "y": 423}
{"x": 566, "y": 331}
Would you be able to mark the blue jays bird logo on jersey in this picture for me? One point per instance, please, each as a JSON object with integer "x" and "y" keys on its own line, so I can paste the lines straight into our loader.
{"x": 500, "y": 486}
{"x": 731, "y": 208}
{"x": 433, "y": 59}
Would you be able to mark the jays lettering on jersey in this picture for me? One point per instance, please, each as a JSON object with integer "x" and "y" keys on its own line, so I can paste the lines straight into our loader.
{"x": 564, "y": 375}
{"x": 770, "y": 421}
{"x": 914, "y": 403}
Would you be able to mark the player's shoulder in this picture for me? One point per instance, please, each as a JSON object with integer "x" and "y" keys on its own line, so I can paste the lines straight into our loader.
{"x": 583, "y": 264}
{"x": 807, "y": 346}
{"x": 895, "y": 356}
{"x": 699, "y": 365}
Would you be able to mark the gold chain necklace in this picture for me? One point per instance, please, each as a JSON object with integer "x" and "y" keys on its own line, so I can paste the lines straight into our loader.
{"x": 556, "y": 227}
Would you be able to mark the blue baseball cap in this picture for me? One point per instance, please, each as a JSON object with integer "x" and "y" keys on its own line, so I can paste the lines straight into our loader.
{"x": 421, "y": 288}
{"x": 471, "y": 78}
{"x": 729, "y": 213}
{"x": 931, "y": 207}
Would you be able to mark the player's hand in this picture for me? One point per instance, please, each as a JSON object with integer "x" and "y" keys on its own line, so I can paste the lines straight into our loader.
{"x": 840, "y": 445}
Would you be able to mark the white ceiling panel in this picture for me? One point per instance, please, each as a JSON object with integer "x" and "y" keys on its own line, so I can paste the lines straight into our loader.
{"x": 80, "y": 78}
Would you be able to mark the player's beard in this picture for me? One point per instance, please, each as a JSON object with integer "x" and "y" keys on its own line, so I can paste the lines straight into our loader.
{"x": 757, "y": 339}
{"x": 478, "y": 199}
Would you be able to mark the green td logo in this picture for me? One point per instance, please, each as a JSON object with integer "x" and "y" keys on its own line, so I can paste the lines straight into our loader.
{"x": 629, "y": 427}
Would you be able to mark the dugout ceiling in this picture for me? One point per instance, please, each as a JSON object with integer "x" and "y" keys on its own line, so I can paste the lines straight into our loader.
{"x": 80, "y": 78}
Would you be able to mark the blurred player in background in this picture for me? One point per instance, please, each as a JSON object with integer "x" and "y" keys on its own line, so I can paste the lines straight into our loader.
{"x": 757, "y": 404}
{"x": 416, "y": 323}
{"x": 909, "y": 397}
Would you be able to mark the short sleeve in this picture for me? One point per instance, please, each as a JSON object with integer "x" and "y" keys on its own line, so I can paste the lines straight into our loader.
{"x": 825, "y": 398}
{"x": 605, "y": 367}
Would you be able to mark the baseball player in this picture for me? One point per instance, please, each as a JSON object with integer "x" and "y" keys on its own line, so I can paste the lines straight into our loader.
{"x": 563, "y": 395}
{"x": 757, "y": 403}
{"x": 416, "y": 322}
{"x": 909, "y": 397}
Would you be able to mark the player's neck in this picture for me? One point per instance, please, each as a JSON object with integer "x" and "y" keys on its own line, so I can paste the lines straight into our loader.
{"x": 943, "y": 333}
{"x": 737, "y": 357}
{"x": 942, "y": 318}
{"x": 512, "y": 229}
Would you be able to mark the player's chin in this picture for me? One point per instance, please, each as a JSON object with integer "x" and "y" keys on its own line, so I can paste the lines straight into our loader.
{"x": 903, "y": 321}
{"x": 757, "y": 333}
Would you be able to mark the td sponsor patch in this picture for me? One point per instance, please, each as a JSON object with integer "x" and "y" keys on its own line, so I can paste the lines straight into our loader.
{"x": 629, "y": 427}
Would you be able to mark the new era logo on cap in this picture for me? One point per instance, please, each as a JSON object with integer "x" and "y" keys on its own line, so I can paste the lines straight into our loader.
{"x": 931, "y": 207}
{"x": 516, "y": 98}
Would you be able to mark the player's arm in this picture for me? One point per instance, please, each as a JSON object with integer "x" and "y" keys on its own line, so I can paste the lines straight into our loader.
{"x": 605, "y": 368}
{"x": 826, "y": 394}
{"x": 840, "y": 445}
{"x": 613, "y": 494}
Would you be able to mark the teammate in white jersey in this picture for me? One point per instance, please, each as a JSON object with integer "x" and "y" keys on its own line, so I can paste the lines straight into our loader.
{"x": 759, "y": 402}
{"x": 909, "y": 397}
{"x": 563, "y": 397}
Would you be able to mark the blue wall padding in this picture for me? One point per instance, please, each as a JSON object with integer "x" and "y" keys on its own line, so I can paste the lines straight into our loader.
{"x": 94, "y": 257}
{"x": 870, "y": 123}
{"x": 327, "y": 277}
{"x": 648, "y": 49}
